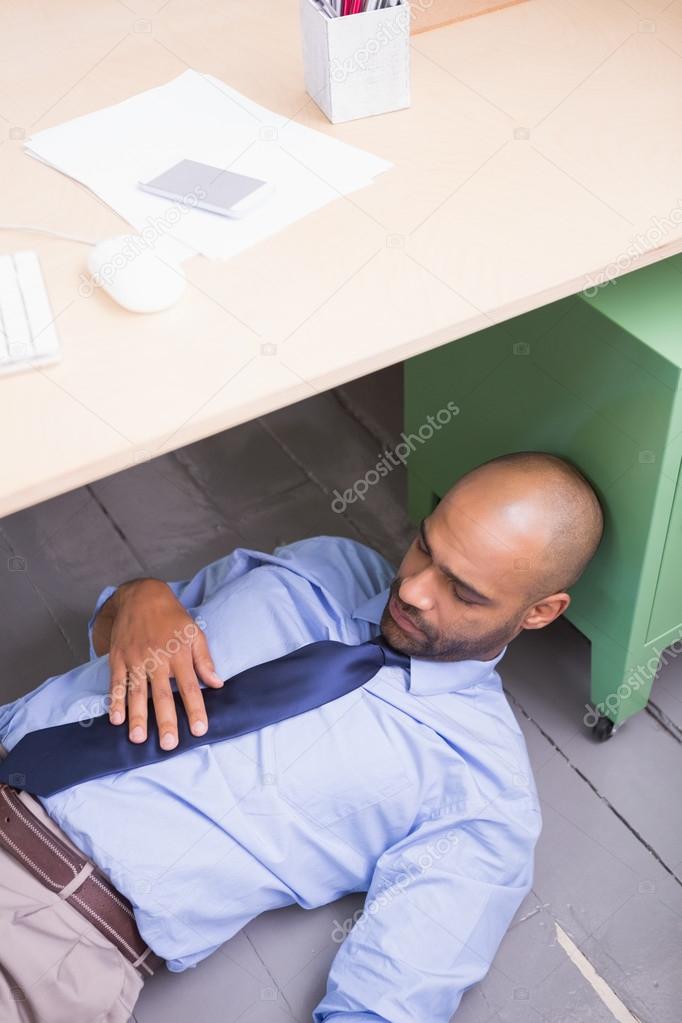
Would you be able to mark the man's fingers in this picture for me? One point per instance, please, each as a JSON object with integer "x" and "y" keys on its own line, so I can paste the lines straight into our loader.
{"x": 189, "y": 689}
{"x": 117, "y": 688}
{"x": 137, "y": 704}
{"x": 203, "y": 662}
{"x": 164, "y": 709}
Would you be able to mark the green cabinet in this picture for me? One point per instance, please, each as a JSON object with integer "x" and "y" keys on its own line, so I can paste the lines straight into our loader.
{"x": 595, "y": 379}
{"x": 665, "y": 610}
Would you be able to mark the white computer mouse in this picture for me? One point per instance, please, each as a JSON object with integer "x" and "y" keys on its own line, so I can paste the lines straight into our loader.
{"x": 129, "y": 270}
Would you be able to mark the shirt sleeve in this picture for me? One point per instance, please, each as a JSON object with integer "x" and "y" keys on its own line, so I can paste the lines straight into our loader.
{"x": 192, "y": 592}
{"x": 347, "y": 569}
{"x": 439, "y": 904}
{"x": 101, "y": 600}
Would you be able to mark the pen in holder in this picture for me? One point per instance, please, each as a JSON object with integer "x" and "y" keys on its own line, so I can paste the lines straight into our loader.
{"x": 357, "y": 65}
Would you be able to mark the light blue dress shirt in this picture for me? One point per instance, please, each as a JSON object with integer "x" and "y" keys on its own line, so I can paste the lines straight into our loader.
{"x": 416, "y": 788}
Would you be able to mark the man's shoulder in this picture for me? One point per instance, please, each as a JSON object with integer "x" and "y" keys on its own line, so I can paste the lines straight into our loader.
{"x": 350, "y": 570}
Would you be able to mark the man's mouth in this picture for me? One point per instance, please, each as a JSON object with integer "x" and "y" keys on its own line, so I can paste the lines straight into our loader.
{"x": 401, "y": 619}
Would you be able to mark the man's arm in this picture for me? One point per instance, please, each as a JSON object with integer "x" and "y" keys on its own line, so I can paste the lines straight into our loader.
{"x": 189, "y": 592}
{"x": 147, "y": 616}
{"x": 142, "y": 616}
{"x": 437, "y": 909}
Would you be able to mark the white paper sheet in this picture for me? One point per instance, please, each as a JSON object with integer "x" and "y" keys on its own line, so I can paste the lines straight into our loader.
{"x": 199, "y": 117}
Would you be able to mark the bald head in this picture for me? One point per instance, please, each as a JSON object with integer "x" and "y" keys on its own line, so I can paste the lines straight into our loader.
{"x": 495, "y": 557}
{"x": 543, "y": 504}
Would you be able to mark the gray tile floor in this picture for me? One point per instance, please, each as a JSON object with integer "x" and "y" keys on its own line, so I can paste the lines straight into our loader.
{"x": 605, "y": 913}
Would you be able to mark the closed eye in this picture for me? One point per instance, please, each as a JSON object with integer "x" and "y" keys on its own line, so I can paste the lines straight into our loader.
{"x": 468, "y": 603}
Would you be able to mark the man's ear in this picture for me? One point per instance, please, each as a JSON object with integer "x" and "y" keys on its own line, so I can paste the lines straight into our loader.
{"x": 545, "y": 611}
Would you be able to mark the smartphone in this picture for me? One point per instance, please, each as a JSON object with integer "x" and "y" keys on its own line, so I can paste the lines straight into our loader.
{"x": 210, "y": 188}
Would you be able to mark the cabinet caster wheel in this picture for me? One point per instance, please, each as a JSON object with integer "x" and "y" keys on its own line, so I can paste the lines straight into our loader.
{"x": 603, "y": 729}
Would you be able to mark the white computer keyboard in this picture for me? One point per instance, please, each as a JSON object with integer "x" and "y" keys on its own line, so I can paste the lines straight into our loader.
{"x": 27, "y": 333}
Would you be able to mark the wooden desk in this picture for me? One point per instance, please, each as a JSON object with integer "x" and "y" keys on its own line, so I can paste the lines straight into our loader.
{"x": 541, "y": 141}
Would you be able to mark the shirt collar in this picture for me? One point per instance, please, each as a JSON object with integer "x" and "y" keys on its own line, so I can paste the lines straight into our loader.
{"x": 430, "y": 677}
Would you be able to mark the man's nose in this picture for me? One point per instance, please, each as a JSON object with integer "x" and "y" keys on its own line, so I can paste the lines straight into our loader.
{"x": 418, "y": 590}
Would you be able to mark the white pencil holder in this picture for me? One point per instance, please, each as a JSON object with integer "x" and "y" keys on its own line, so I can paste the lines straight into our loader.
{"x": 357, "y": 65}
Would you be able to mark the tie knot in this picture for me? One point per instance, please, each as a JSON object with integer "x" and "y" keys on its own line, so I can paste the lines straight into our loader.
{"x": 392, "y": 658}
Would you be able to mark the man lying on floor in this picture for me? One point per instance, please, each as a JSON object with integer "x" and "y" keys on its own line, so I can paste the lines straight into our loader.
{"x": 414, "y": 784}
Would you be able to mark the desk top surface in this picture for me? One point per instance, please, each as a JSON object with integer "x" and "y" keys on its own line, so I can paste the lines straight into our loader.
{"x": 539, "y": 157}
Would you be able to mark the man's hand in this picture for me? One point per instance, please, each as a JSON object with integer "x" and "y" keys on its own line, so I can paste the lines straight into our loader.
{"x": 151, "y": 638}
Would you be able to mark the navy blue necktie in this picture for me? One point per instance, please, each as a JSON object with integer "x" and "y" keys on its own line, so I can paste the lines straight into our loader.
{"x": 51, "y": 759}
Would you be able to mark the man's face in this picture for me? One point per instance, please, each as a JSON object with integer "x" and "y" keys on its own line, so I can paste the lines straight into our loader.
{"x": 459, "y": 592}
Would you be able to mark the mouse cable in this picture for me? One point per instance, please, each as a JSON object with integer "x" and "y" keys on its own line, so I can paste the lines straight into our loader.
{"x": 47, "y": 230}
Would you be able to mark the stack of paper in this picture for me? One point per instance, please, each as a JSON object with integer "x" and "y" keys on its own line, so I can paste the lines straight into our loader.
{"x": 198, "y": 117}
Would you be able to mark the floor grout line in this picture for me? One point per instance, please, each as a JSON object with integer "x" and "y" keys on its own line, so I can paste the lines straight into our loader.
{"x": 115, "y": 526}
{"x": 380, "y": 436}
{"x": 664, "y": 721}
{"x": 232, "y": 521}
{"x": 633, "y": 831}
{"x": 267, "y": 969}
{"x": 298, "y": 462}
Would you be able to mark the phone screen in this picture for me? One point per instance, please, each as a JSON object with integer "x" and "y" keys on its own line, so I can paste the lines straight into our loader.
{"x": 210, "y": 187}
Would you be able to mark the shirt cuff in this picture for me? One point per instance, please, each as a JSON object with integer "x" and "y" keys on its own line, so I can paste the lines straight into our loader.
{"x": 103, "y": 597}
